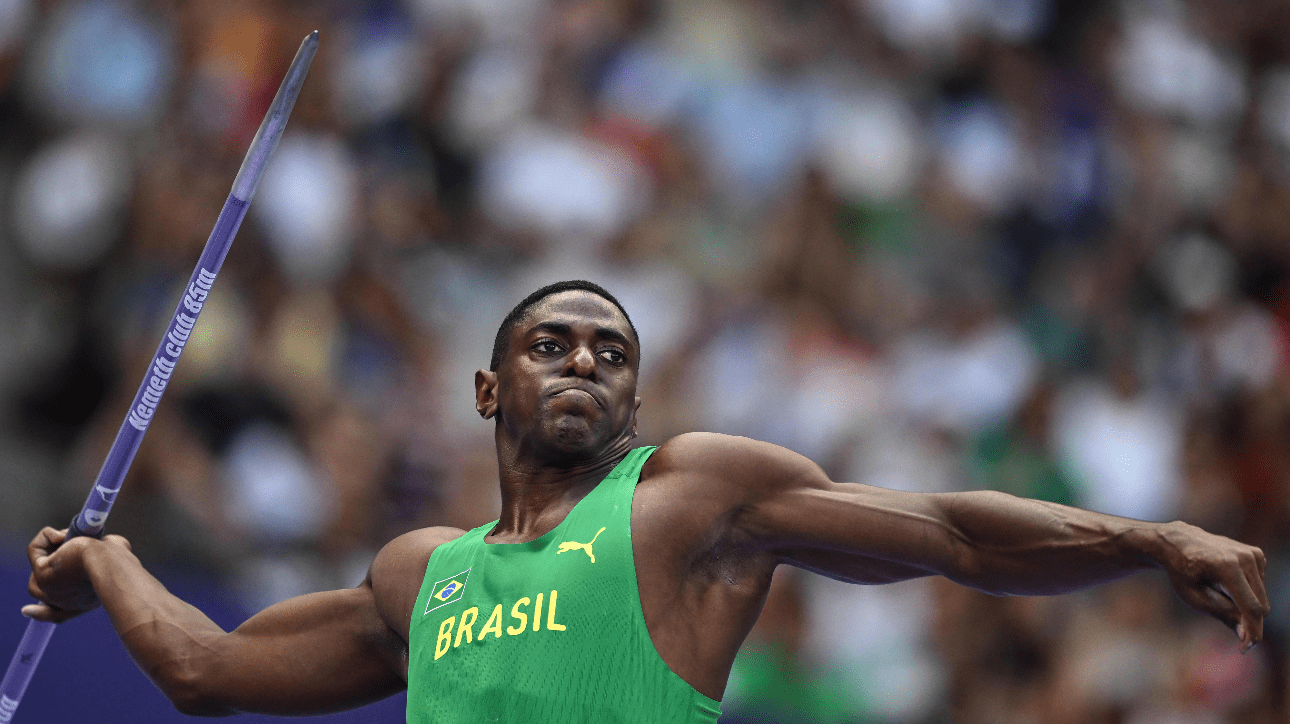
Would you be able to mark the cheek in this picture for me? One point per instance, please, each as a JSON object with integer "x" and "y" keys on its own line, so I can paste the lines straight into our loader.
{"x": 517, "y": 397}
{"x": 625, "y": 403}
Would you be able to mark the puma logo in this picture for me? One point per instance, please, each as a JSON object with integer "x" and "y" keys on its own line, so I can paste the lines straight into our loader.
{"x": 570, "y": 545}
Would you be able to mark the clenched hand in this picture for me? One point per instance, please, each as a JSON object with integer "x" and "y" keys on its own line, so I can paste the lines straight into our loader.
{"x": 59, "y": 579}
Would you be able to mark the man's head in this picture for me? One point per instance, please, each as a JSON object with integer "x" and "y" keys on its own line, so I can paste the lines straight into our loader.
{"x": 520, "y": 311}
{"x": 562, "y": 379}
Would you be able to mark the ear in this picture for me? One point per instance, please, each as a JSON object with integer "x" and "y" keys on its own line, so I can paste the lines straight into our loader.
{"x": 486, "y": 393}
{"x": 635, "y": 413}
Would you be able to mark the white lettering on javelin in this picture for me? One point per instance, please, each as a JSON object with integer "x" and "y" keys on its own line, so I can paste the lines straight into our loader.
{"x": 164, "y": 365}
{"x": 7, "y": 708}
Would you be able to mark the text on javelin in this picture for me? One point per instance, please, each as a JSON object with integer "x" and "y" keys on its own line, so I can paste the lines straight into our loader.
{"x": 173, "y": 344}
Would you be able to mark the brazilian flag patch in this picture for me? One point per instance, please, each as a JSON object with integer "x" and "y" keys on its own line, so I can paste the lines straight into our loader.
{"x": 448, "y": 590}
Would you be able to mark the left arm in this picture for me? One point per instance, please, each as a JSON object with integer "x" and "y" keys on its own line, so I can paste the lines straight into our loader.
{"x": 991, "y": 541}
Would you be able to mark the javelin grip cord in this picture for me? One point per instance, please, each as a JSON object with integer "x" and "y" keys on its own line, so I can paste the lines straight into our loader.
{"x": 93, "y": 515}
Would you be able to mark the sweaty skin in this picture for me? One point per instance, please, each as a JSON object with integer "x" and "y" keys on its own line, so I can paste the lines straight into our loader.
{"x": 712, "y": 517}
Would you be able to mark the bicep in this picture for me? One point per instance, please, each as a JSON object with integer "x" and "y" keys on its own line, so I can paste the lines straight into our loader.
{"x": 317, "y": 653}
{"x": 765, "y": 498}
{"x": 856, "y": 532}
{"x": 852, "y": 532}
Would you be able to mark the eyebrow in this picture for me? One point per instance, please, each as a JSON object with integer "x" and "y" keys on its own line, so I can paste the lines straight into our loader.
{"x": 603, "y": 332}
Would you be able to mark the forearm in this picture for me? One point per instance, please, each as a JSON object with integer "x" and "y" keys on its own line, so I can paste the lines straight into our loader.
{"x": 171, "y": 641}
{"x": 1009, "y": 545}
{"x": 318, "y": 653}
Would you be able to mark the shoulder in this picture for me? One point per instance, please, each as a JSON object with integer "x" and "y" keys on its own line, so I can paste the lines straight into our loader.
{"x": 397, "y": 570}
{"x": 730, "y": 461}
{"x": 411, "y": 551}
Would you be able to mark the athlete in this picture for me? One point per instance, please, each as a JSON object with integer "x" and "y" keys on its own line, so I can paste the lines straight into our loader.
{"x": 618, "y": 583}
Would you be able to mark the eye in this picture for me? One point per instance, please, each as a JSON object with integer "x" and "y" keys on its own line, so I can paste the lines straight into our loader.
{"x": 613, "y": 356}
{"x": 546, "y": 346}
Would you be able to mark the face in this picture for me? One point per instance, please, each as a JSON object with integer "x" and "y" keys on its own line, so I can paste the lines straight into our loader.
{"x": 566, "y": 389}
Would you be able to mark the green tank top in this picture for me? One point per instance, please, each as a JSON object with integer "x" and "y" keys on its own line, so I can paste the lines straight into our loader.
{"x": 548, "y": 631}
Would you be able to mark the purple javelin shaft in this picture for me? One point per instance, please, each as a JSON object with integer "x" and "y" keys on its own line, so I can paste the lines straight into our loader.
{"x": 93, "y": 516}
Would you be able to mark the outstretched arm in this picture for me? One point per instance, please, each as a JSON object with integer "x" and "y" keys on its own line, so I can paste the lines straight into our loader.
{"x": 987, "y": 540}
{"x": 313, "y": 654}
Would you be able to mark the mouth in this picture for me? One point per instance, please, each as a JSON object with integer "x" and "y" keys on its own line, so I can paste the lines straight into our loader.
{"x": 580, "y": 392}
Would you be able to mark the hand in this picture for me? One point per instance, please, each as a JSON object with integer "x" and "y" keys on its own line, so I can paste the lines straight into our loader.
{"x": 59, "y": 579}
{"x": 1218, "y": 576}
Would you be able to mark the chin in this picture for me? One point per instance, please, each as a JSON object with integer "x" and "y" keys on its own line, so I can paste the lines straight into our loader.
{"x": 573, "y": 436}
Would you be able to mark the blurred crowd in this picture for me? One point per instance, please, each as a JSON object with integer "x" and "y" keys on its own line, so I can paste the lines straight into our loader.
{"x": 1039, "y": 246}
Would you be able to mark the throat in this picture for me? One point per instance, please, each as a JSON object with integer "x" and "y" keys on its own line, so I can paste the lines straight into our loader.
{"x": 534, "y": 502}
{"x": 528, "y": 513}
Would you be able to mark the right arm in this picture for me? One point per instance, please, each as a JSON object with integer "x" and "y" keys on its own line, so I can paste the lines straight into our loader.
{"x": 313, "y": 654}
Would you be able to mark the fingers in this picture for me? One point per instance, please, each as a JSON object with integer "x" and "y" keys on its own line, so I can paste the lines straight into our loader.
{"x": 1252, "y": 608}
{"x": 33, "y": 588}
{"x": 1213, "y": 601}
{"x": 1235, "y": 595}
{"x": 43, "y": 611}
{"x": 44, "y": 543}
{"x": 119, "y": 540}
{"x": 1254, "y": 574}
{"x": 76, "y": 602}
{"x": 1220, "y": 577}
{"x": 47, "y": 613}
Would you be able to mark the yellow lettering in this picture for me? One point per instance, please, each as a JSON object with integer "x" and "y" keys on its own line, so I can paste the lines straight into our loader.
{"x": 494, "y": 624}
{"x": 523, "y": 617}
{"x": 465, "y": 625}
{"x": 550, "y": 615}
{"x": 537, "y": 614}
{"x": 442, "y": 643}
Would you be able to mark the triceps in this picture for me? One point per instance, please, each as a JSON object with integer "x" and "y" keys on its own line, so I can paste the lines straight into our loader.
{"x": 850, "y": 567}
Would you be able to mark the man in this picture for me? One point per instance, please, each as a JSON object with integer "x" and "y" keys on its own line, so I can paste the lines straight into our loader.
{"x": 618, "y": 584}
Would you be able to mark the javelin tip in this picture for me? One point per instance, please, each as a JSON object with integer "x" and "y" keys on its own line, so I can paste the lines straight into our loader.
{"x": 266, "y": 139}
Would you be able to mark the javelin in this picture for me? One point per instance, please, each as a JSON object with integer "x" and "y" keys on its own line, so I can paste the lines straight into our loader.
{"x": 92, "y": 517}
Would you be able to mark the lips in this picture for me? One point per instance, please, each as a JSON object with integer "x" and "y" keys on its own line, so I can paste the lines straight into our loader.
{"x": 579, "y": 390}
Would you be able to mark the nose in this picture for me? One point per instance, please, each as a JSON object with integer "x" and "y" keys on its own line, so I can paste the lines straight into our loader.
{"x": 582, "y": 363}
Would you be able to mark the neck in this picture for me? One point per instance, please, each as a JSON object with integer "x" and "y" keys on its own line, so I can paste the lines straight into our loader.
{"x": 537, "y": 494}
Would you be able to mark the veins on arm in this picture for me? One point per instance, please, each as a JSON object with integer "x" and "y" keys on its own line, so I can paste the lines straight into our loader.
{"x": 783, "y": 506}
{"x": 988, "y": 540}
{"x": 314, "y": 654}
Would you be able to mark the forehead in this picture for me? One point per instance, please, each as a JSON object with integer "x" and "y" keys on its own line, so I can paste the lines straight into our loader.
{"x": 573, "y": 307}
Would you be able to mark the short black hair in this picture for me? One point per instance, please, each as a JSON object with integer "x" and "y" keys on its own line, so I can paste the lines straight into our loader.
{"x": 521, "y": 309}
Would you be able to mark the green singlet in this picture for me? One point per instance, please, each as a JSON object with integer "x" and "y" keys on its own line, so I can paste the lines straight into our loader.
{"x": 549, "y": 631}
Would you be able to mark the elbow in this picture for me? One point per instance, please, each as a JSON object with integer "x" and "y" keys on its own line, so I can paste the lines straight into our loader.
{"x": 968, "y": 568}
{"x": 966, "y": 571}
{"x": 186, "y": 666}
{"x": 970, "y": 561}
{"x": 189, "y": 691}
{"x": 198, "y": 705}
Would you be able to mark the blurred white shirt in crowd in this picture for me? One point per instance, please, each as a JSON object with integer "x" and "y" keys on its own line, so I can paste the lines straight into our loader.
{"x": 1124, "y": 450}
{"x": 275, "y": 494}
{"x": 562, "y": 184}
{"x": 870, "y": 144}
{"x": 70, "y": 200}
{"x": 100, "y": 61}
{"x": 1166, "y": 69}
{"x": 308, "y": 202}
{"x": 965, "y": 383}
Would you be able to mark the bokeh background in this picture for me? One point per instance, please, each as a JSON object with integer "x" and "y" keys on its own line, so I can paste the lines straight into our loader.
{"x": 1039, "y": 246}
